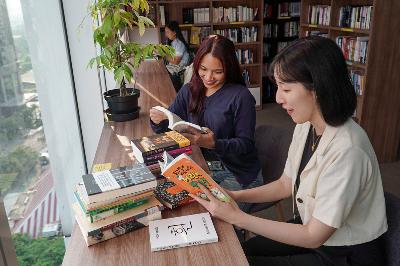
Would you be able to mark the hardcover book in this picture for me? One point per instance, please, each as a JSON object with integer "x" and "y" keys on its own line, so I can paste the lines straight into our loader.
{"x": 145, "y": 147}
{"x": 118, "y": 224}
{"x": 113, "y": 183}
{"x": 171, "y": 195}
{"x": 182, "y": 231}
{"x": 186, "y": 173}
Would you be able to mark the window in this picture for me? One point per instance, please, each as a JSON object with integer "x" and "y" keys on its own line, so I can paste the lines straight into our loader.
{"x": 42, "y": 151}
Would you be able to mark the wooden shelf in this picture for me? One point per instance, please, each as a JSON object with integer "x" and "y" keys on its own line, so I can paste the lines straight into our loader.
{"x": 241, "y": 23}
{"x": 350, "y": 30}
{"x": 176, "y": 10}
{"x": 313, "y": 26}
{"x": 377, "y": 109}
{"x": 246, "y": 43}
{"x": 356, "y": 65}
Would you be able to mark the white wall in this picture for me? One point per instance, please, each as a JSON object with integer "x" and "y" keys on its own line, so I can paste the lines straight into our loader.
{"x": 87, "y": 81}
{"x": 48, "y": 49}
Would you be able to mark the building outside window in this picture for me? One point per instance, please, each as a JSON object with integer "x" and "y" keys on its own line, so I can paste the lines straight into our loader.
{"x": 42, "y": 153}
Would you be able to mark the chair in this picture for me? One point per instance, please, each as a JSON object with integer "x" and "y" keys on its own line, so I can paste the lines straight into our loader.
{"x": 272, "y": 146}
{"x": 392, "y": 236}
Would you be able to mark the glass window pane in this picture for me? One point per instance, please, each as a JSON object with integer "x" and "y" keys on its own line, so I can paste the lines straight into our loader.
{"x": 27, "y": 185}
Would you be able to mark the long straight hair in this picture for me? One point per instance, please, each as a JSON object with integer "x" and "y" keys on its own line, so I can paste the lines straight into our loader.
{"x": 174, "y": 26}
{"x": 224, "y": 50}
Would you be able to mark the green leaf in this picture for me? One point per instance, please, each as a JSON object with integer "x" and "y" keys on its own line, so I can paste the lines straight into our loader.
{"x": 118, "y": 74}
{"x": 117, "y": 18}
{"x": 107, "y": 25}
{"x": 128, "y": 73}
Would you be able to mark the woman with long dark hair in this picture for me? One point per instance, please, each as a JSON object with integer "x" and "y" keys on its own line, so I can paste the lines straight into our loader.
{"x": 181, "y": 59}
{"x": 331, "y": 172}
{"x": 216, "y": 98}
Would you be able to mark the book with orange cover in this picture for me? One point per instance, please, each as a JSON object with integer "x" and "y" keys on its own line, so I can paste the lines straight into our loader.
{"x": 186, "y": 173}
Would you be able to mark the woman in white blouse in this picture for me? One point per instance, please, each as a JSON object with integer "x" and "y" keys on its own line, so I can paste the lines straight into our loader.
{"x": 331, "y": 171}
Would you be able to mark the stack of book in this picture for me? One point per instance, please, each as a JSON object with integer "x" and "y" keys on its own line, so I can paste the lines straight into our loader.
{"x": 114, "y": 202}
{"x": 149, "y": 150}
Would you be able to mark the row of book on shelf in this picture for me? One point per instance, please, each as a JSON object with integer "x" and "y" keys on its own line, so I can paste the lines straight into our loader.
{"x": 287, "y": 29}
{"x": 285, "y": 10}
{"x": 358, "y": 17}
{"x": 354, "y": 48}
{"x": 319, "y": 15}
{"x": 239, "y": 35}
{"x": 245, "y": 56}
{"x": 358, "y": 79}
{"x": 195, "y": 35}
{"x": 219, "y": 14}
{"x": 234, "y": 14}
{"x": 117, "y": 201}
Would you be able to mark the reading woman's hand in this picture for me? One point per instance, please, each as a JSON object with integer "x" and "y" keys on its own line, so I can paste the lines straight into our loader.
{"x": 157, "y": 116}
{"x": 205, "y": 140}
{"x": 227, "y": 211}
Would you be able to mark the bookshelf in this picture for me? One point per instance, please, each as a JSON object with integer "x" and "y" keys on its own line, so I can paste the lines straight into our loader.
{"x": 281, "y": 26}
{"x": 378, "y": 93}
{"x": 239, "y": 20}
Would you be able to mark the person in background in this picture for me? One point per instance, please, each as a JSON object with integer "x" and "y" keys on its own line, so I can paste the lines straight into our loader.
{"x": 331, "y": 172}
{"x": 216, "y": 98}
{"x": 182, "y": 57}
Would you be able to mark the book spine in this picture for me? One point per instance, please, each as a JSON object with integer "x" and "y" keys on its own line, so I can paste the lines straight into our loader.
{"x": 159, "y": 150}
{"x": 98, "y": 231}
{"x": 192, "y": 243}
{"x": 155, "y": 157}
{"x": 118, "y": 200}
{"x": 115, "y": 210}
{"x": 121, "y": 229}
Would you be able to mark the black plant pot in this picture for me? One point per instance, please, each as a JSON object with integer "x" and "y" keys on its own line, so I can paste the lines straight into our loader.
{"x": 122, "y": 108}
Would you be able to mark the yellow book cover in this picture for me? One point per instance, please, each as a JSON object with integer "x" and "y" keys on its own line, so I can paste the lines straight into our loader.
{"x": 179, "y": 138}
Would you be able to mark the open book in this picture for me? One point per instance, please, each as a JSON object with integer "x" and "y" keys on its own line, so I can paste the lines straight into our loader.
{"x": 184, "y": 172}
{"x": 176, "y": 123}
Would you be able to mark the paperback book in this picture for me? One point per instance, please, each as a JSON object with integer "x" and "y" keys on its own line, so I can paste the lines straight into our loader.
{"x": 114, "y": 208}
{"x": 119, "y": 224}
{"x": 178, "y": 124}
{"x": 171, "y": 195}
{"x": 145, "y": 147}
{"x": 187, "y": 174}
{"x": 182, "y": 231}
{"x": 114, "y": 183}
{"x": 95, "y": 205}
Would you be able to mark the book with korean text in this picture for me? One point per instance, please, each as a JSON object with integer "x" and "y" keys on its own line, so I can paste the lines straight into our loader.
{"x": 182, "y": 231}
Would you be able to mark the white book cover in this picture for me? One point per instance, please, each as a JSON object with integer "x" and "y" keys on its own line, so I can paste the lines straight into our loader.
{"x": 176, "y": 123}
{"x": 182, "y": 231}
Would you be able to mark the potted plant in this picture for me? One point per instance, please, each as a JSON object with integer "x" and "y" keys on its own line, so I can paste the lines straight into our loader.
{"x": 119, "y": 56}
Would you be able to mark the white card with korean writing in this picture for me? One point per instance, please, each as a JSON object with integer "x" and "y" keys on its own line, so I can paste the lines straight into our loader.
{"x": 182, "y": 231}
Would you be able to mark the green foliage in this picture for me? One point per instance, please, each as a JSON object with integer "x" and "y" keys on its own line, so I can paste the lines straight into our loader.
{"x": 117, "y": 56}
{"x": 40, "y": 251}
{"x": 20, "y": 161}
{"x": 6, "y": 181}
{"x": 23, "y": 119}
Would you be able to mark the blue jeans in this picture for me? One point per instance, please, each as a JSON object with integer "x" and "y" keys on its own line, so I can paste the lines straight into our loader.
{"x": 227, "y": 180}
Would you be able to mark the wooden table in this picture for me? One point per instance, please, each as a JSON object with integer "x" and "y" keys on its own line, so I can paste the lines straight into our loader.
{"x": 134, "y": 248}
